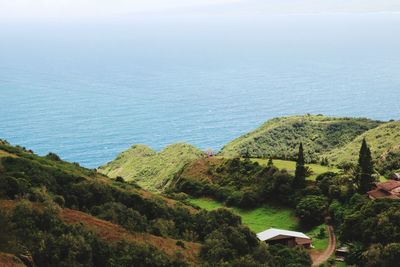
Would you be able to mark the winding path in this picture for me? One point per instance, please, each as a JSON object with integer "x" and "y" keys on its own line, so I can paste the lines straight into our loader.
{"x": 324, "y": 256}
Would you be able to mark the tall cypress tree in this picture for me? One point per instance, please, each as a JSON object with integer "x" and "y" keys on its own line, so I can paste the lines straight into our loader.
{"x": 300, "y": 174}
{"x": 270, "y": 163}
{"x": 364, "y": 179}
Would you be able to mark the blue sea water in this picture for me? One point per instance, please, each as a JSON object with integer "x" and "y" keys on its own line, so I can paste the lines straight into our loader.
{"x": 89, "y": 90}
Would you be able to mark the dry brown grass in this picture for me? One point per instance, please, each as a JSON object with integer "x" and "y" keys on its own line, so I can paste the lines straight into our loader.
{"x": 7, "y": 204}
{"x": 198, "y": 169}
{"x": 6, "y": 154}
{"x": 114, "y": 233}
{"x": 9, "y": 260}
{"x": 170, "y": 202}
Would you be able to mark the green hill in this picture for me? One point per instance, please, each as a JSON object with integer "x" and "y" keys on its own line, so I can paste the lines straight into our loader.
{"x": 380, "y": 139}
{"x": 280, "y": 137}
{"x": 151, "y": 170}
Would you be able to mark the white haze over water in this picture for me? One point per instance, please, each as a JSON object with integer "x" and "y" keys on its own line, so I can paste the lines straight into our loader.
{"x": 86, "y": 79}
{"x": 62, "y": 9}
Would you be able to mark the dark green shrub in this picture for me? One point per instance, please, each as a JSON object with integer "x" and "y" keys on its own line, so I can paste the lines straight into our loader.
{"x": 312, "y": 209}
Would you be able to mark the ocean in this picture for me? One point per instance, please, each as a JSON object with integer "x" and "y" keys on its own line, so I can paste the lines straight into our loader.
{"x": 87, "y": 90}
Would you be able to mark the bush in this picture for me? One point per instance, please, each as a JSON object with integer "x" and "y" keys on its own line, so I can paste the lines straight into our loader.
{"x": 59, "y": 200}
{"x": 179, "y": 243}
{"x": 53, "y": 156}
{"x": 312, "y": 209}
{"x": 120, "y": 214}
{"x": 10, "y": 187}
{"x": 119, "y": 179}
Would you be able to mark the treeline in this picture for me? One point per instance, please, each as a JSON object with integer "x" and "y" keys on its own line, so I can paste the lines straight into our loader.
{"x": 243, "y": 184}
{"x": 246, "y": 184}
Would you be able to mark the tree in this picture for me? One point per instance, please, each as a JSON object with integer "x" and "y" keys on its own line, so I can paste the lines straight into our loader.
{"x": 312, "y": 209}
{"x": 120, "y": 179}
{"x": 300, "y": 174}
{"x": 270, "y": 163}
{"x": 324, "y": 161}
{"x": 365, "y": 168}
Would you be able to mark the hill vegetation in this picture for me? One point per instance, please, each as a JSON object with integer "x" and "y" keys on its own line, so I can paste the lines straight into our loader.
{"x": 55, "y": 213}
{"x": 236, "y": 182}
{"x": 151, "y": 170}
{"x": 81, "y": 217}
{"x": 290, "y": 166}
{"x": 339, "y": 195}
{"x": 327, "y": 140}
{"x": 279, "y": 137}
{"x": 382, "y": 140}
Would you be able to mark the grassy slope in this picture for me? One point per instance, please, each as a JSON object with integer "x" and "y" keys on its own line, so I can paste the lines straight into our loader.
{"x": 151, "y": 170}
{"x": 380, "y": 139}
{"x": 257, "y": 219}
{"x": 265, "y": 217}
{"x": 6, "y": 150}
{"x": 291, "y": 166}
{"x": 279, "y": 137}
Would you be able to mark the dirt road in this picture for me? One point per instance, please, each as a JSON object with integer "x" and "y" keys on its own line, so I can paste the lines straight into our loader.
{"x": 321, "y": 258}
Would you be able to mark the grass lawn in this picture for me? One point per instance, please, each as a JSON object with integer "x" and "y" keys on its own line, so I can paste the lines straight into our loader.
{"x": 291, "y": 166}
{"x": 265, "y": 217}
{"x": 319, "y": 243}
{"x": 317, "y": 169}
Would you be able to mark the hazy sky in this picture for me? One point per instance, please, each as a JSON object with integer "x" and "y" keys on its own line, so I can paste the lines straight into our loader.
{"x": 26, "y": 9}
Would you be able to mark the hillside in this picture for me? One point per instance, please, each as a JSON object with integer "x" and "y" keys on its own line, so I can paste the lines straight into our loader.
{"x": 125, "y": 213}
{"x": 151, "y": 170}
{"x": 279, "y": 137}
{"x": 381, "y": 140}
{"x": 114, "y": 233}
{"x": 83, "y": 218}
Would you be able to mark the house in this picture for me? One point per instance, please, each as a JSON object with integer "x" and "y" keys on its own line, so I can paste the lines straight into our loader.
{"x": 388, "y": 189}
{"x": 341, "y": 253}
{"x": 288, "y": 238}
{"x": 209, "y": 152}
{"x": 395, "y": 176}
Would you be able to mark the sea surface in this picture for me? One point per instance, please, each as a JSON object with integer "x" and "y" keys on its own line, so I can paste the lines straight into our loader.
{"x": 88, "y": 90}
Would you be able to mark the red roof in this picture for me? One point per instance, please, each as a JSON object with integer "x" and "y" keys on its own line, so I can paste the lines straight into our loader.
{"x": 379, "y": 193}
{"x": 389, "y": 185}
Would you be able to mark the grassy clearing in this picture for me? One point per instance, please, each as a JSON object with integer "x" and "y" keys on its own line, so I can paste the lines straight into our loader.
{"x": 317, "y": 169}
{"x": 265, "y": 217}
{"x": 291, "y": 166}
{"x": 257, "y": 219}
{"x": 319, "y": 243}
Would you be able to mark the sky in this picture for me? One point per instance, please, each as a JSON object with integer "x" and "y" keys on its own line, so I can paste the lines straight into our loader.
{"x": 67, "y": 9}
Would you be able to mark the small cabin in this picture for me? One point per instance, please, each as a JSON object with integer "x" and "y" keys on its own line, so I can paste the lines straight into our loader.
{"x": 341, "y": 253}
{"x": 288, "y": 238}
